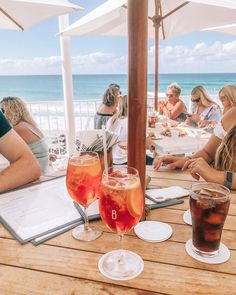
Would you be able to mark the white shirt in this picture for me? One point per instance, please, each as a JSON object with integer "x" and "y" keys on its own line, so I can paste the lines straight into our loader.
{"x": 219, "y": 130}
{"x": 121, "y": 129}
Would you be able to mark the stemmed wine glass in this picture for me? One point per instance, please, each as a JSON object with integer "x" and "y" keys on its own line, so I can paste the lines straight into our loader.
{"x": 82, "y": 180}
{"x": 121, "y": 207}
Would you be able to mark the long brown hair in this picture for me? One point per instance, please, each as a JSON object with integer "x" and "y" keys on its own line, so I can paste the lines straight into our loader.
{"x": 225, "y": 158}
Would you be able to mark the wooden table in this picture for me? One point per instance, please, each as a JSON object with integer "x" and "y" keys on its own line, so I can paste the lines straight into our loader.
{"x": 64, "y": 265}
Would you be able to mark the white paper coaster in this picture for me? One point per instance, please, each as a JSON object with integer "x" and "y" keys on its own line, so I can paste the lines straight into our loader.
{"x": 223, "y": 256}
{"x": 153, "y": 231}
{"x": 130, "y": 271}
{"x": 187, "y": 217}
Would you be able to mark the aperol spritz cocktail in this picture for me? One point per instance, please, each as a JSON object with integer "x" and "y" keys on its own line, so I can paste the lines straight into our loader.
{"x": 82, "y": 180}
{"x": 121, "y": 206}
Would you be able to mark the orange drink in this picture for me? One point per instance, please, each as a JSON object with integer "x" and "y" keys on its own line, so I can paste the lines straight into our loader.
{"x": 121, "y": 202}
{"x": 83, "y": 178}
{"x": 121, "y": 206}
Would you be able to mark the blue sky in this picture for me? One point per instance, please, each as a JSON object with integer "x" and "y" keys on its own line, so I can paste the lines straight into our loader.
{"x": 37, "y": 51}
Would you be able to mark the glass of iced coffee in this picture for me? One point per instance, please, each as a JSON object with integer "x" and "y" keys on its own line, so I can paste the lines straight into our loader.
{"x": 209, "y": 205}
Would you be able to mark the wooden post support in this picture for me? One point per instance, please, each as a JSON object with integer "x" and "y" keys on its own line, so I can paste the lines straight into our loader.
{"x": 137, "y": 84}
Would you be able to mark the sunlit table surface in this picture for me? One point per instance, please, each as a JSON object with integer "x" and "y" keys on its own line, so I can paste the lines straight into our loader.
{"x": 64, "y": 265}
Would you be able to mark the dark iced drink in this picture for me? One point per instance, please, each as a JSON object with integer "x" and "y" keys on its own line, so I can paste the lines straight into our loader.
{"x": 209, "y": 205}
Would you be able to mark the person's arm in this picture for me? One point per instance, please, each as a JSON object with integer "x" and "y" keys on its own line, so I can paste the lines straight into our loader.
{"x": 23, "y": 167}
{"x": 211, "y": 118}
{"x": 200, "y": 168}
{"x": 209, "y": 150}
{"x": 175, "y": 112}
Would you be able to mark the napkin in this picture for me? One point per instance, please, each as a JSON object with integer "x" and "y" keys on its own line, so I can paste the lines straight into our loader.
{"x": 168, "y": 193}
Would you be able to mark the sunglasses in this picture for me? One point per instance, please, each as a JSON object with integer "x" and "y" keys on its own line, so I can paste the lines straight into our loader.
{"x": 169, "y": 95}
{"x": 196, "y": 100}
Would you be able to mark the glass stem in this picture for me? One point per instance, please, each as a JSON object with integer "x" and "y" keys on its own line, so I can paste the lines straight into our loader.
{"x": 121, "y": 240}
{"x": 86, "y": 222}
{"x": 121, "y": 254}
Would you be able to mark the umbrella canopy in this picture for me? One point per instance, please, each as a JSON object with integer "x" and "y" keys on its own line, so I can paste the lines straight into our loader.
{"x": 228, "y": 29}
{"x": 177, "y": 17}
{"x": 166, "y": 19}
{"x": 22, "y": 14}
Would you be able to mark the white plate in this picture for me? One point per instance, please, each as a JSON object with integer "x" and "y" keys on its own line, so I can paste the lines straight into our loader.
{"x": 223, "y": 256}
{"x": 187, "y": 217}
{"x": 153, "y": 231}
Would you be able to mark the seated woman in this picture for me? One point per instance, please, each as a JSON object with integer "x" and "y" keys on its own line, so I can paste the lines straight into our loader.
{"x": 173, "y": 107}
{"x": 204, "y": 110}
{"x": 17, "y": 114}
{"x": 227, "y": 96}
{"x": 108, "y": 107}
{"x": 118, "y": 124}
{"x": 219, "y": 150}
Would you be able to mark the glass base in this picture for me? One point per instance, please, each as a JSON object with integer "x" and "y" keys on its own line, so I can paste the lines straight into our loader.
{"x": 120, "y": 265}
{"x": 205, "y": 254}
{"x": 88, "y": 235}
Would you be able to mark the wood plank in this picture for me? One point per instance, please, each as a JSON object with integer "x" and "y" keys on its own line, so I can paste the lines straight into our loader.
{"x": 18, "y": 281}
{"x": 157, "y": 277}
{"x": 176, "y": 216}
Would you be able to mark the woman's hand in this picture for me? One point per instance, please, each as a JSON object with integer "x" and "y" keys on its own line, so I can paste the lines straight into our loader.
{"x": 198, "y": 167}
{"x": 194, "y": 118}
{"x": 171, "y": 162}
{"x": 203, "y": 123}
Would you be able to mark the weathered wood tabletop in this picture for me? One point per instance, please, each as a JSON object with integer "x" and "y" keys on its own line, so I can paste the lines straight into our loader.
{"x": 64, "y": 265}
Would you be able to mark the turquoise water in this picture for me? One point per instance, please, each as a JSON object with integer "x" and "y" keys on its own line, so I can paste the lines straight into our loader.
{"x": 49, "y": 87}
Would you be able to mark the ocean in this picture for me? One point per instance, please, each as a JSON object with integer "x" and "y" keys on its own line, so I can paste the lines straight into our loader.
{"x": 49, "y": 87}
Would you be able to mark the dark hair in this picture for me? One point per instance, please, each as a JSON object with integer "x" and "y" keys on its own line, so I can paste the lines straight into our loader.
{"x": 115, "y": 85}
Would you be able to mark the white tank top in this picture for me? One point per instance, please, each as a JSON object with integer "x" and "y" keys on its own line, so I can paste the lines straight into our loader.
{"x": 219, "y": 130}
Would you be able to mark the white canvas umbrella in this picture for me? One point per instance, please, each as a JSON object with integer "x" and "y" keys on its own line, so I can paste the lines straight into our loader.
{"x": 171, "y": 18}
{"x": 227, "y": 29}
{"x": 22, "y": 14}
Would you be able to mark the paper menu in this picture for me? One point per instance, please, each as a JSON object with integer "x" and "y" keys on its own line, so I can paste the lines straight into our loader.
{"x": 36, "y": 210}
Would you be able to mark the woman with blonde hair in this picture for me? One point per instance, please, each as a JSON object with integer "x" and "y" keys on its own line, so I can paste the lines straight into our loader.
{"x": 108, "y": 107}
{"x": 204, "y": 110}
{"x": 227, "y": 96}
{"x": 16, "y": 112}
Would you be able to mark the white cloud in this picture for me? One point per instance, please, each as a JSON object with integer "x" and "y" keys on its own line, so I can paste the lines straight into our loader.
{"x": 217, "y": 57}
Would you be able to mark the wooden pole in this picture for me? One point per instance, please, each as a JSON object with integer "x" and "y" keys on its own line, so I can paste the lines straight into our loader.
{"x": 137, "y": 84}
{"x": 157, "y": 24}
{"x": 156, "y": 67}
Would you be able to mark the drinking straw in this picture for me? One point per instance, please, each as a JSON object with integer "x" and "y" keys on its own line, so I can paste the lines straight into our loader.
{"x": 104, "y": 149}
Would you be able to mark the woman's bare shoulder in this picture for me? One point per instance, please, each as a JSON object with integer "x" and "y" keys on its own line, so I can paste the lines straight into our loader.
{"x": 229, "y": 119}
{"x": 21, "y": 129}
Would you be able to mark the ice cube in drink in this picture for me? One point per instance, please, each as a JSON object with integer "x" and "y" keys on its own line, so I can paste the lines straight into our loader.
{"x": 209, "y": 211}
